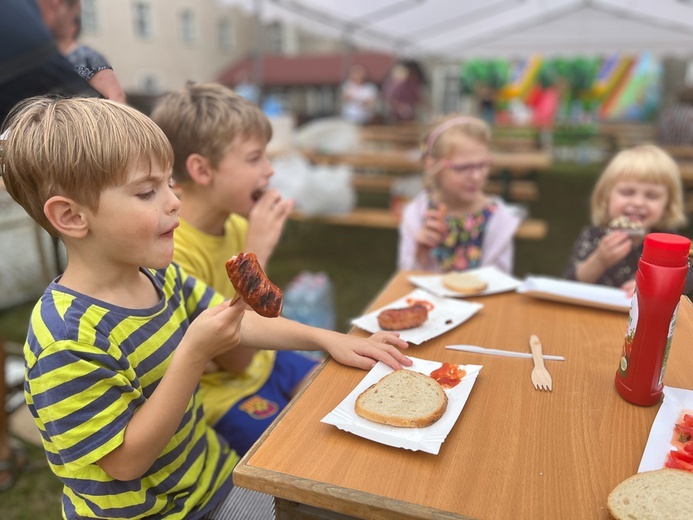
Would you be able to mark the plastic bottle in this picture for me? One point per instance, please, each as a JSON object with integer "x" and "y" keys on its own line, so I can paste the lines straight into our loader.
{"x": 309, "y": 299}
{"x": 659, "y": 284}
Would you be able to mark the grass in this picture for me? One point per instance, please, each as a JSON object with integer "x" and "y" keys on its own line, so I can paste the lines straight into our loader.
{"x": 359, "y": 261}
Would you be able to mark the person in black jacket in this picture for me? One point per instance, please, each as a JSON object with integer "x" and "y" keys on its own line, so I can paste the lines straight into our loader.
{"x": 30, "y": 62}
{"x": 30, "y": 65}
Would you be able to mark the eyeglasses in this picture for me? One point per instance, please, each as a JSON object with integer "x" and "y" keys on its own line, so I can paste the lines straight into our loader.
{"x": 467, "y": 168}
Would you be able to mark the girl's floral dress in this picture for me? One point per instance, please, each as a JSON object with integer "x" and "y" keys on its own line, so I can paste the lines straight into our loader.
{"x": 461, "y": 248}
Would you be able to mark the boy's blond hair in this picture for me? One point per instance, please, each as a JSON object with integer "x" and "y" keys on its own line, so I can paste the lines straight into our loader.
{"x": 645, "y": 163}
{"x": 207, "y": 118}
{"x": 75, "y": 148}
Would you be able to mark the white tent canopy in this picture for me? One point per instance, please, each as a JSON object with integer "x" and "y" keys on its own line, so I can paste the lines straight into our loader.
{"x": 457, "y": 29}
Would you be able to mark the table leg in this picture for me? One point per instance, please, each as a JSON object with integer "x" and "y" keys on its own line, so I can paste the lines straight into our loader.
{"x": 290, "y": 510}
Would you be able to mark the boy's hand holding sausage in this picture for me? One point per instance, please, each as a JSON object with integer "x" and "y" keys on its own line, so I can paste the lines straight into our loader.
{"x": 213, "y": 332}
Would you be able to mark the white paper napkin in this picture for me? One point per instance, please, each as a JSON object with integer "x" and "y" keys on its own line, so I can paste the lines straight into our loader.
{"x": 445, "y": 315}
{"x": 428, "y": 439}
{"x": 497, "y": 281}
{"x": 659, "y": 442}
{"x": 578, "y": 293}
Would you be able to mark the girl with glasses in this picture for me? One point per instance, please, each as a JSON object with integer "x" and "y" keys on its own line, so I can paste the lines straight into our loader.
{"x": 453, "y": 225}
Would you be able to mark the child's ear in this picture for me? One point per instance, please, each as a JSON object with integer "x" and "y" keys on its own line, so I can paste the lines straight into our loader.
{"x": 66, "y": 216}
{"x": 198, "y": 169}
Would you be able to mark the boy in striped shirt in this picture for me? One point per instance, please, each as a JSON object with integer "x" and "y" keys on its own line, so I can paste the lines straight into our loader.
{"x": 117, "y": 344}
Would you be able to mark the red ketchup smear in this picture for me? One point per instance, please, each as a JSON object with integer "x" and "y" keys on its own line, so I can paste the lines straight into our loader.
{"x": 424, "y": 303}
{"x": 448, "y": 375}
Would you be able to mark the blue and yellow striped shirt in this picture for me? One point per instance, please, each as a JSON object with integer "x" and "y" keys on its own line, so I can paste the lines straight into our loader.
{"x": 89, "y": 367}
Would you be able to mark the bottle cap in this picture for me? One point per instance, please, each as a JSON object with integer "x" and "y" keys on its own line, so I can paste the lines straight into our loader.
{"x": 666, "y": 250}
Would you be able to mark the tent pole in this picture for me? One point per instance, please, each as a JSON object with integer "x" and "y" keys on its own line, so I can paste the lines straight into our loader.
{"x": 256, "y": 60}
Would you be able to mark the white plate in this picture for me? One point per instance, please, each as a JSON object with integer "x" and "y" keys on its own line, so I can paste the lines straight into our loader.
{"x": 577, "y": 293}
{"x": 445, "y": 315}
{"x": 497, "y": 282}
{"x": 659, "y": 442}
{"x": 428, "y": 439}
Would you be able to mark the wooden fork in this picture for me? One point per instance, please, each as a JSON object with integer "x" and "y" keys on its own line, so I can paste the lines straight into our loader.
{"x": 540, "y": 376}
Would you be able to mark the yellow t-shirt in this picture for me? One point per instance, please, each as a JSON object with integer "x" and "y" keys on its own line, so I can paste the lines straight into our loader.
{"x": 204, "y": 256}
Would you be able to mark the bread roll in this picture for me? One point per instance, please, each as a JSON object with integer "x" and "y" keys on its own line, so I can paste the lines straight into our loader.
{"x": 663, "y": 494}
{"x": 625, "y": 225}
{"x": 403, "y": 398}
{"x": 463, "y": 283}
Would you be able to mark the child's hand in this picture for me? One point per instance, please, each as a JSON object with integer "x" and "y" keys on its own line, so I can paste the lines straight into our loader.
{"x": 214, "y": 331}
{"x": 612, "y": 248}
{"x": 432, "y": 232}
{"x": 266, "y": 223}
{"x": 629, "y": 288}
{"x": 365, "y": 352}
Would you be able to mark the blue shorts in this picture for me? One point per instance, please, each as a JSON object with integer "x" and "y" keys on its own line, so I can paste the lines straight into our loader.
{"x": 243, "y": 424}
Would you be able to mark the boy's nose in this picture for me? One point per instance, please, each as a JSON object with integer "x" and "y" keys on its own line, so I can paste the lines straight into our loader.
{"x": 174, "y": 202}
{"x": 269, "y": 168}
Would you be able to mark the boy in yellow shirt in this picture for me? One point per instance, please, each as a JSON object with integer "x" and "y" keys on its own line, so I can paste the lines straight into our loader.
{"x": 219, "y": 141}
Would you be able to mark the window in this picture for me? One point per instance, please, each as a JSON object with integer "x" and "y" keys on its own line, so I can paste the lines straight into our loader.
{"x": 90, "y": 17}
{"x": 187, "y": 27}
{"x": 226, "y": 36}
{"x": 150, "y": 84}
{"x": 275, "y": 38}
{"x": 143, "y": 19}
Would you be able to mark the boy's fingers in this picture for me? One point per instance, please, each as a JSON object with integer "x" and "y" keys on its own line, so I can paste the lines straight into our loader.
{"x": 237, "y": 302}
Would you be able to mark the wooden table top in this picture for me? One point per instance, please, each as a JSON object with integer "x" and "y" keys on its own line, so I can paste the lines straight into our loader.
{"x": 514, "y": 452}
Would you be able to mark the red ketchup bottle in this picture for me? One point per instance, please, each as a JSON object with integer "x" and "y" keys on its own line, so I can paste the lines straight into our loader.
{"x": 659, "y": 284}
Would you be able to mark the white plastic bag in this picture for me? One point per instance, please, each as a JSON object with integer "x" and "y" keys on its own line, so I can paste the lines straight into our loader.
{"x": 329, "y": 135}
{"x": 329, "y": 191}
{"x": 316, "y": 190}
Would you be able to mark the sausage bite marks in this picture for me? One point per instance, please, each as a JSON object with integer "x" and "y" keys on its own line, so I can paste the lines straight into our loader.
{"x": 253, "y": 286}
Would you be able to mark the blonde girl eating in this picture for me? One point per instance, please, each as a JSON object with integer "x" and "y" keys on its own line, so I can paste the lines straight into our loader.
{"x": 641, "y": 186}
{"x": 452, "y": 225}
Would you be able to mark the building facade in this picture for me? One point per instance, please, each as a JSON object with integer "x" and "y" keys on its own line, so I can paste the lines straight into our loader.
{"x": 158, "y": 45}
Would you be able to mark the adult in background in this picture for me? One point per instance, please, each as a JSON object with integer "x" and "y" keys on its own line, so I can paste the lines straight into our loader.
{"x": 90, "y": 64}
{"x": 30, "y": 62}
{"x": 402, "y": 92}
{"x": 359, "y": 97}
{"x": 675, "y": 125}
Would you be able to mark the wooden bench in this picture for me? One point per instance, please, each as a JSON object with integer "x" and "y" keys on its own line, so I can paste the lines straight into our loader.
{"x": 507, "y": 139}
{"x": 507, "y": 168}
{"x": 519, "y": 190}
{"x": 529, "y": 229}
{"x": 679, "y": 152}
{"x": 394, "y": 162}
{"x": 628, "y": 134}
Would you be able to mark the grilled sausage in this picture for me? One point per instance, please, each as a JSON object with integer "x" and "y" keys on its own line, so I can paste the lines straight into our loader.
{"x": 253, "y": 286}
{"x": 405, "y": 318}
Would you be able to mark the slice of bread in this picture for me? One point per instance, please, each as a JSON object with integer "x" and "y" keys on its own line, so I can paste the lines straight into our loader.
{"x": 403, "y": 398}
{"x": 663, "y": 494}
{"x": 464, "y": 283}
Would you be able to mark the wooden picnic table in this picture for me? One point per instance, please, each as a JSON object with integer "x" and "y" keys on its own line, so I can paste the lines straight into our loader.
{"x": 514, "y": 452}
